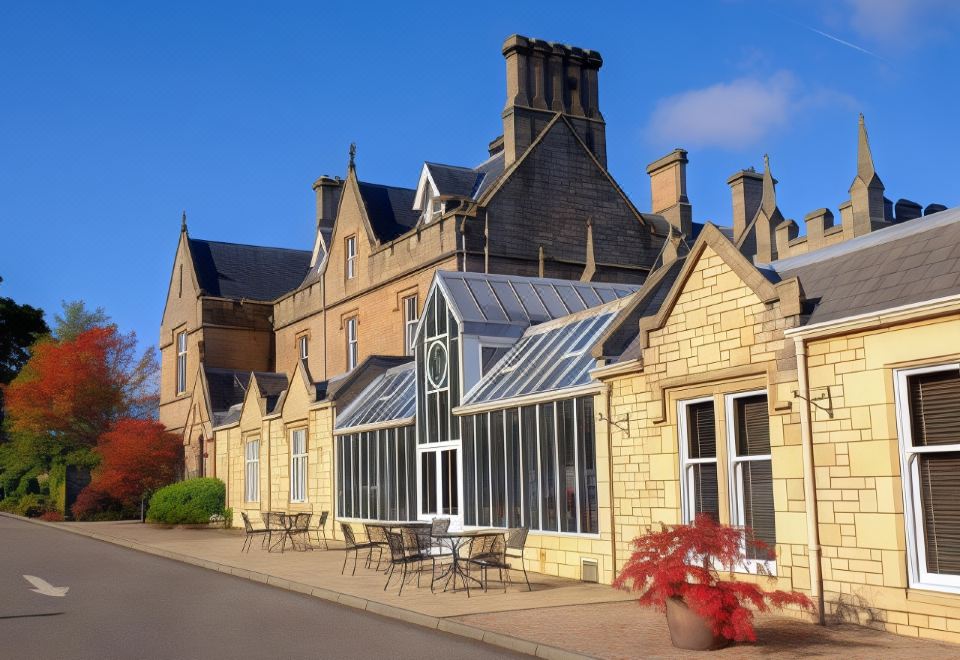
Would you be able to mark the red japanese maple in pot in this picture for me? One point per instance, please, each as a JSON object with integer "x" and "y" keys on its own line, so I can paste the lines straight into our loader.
{"x": 678, "y": 569}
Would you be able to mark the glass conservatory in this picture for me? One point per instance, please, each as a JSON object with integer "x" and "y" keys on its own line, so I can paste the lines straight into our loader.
{"x": 493, "y": 424}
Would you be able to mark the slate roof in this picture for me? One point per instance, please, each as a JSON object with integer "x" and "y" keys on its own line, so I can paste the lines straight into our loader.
{"x": 466, "y": 181}
{"x": 912, "y": 262}
{"x": 505, "y": 305}
{"x": 390, "y": 397}
{"x": 549, "y": 357}
{"x": 454, "y": 180}
{"x": 389, "y": 208}
{"x": 254, "y": 272}
{"x": 227, "y": 387}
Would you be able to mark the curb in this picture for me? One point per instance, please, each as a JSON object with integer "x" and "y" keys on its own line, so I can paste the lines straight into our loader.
{"x": 389, "y": 611}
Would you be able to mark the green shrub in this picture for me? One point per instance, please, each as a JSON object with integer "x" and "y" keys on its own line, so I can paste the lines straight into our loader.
{"x": 30, "y": 505}
{"x": 188, "y": 502}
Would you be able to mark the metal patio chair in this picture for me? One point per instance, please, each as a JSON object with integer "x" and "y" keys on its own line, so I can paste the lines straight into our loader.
{"x": 273, "y": 521}
{"x": 400, "y": 557}
{"x": 352, "y": 546}
{"x": 377, "y": 536}
{"x": 516, "y": 541}
{"x": 487, "y": 552}
{"x": 249, "y": 532}
{"x": 321, "y": 528}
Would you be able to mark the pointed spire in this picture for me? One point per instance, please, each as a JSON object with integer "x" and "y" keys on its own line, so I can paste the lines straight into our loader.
{"x": 540, "y": 260}
{"x": 183, "y": 223}
{"x": 353, "y": 154}
{"x": 590, "y": 267}
{"x": 866, "y": 172}
{"x": 768, "y": 201}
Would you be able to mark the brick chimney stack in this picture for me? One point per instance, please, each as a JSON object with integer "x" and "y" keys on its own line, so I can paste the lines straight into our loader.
{"x": 668, "y": 190}
{"x": 746, "y": 186}
{"x": 544, "y": 78}
{"x": 328, "y": 198}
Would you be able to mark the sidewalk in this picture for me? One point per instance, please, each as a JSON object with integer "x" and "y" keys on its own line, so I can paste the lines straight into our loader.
{"x": 558, "y": 619}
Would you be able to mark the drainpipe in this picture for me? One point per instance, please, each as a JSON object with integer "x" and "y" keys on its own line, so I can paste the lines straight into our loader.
{"x": 613, "y": 517}
{"x": 809, "y": 481}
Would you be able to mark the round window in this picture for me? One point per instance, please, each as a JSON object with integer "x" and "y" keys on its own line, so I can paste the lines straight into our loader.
{"x": 437, "y": 365}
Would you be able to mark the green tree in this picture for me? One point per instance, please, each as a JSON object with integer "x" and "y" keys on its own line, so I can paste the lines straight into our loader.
{"x": 76, "y": 319}
{"x": 20, "y": 327}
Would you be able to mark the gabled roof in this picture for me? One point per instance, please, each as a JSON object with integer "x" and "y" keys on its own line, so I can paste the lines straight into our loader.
{"x": 390, "y": 399}
{"x": 505, "y": 305}
{"x": 389, "y": 208}
{"x": 453, "y": 179}
{"x": 912, "y": 262}
{"x": 252, "y": 272}
{"x": 549, "y": 357}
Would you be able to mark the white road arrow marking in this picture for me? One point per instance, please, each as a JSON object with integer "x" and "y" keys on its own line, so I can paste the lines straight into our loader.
{"x": 45, "y": 588}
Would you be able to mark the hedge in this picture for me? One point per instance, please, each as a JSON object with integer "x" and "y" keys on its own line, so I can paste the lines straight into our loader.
{"x": 188, "y": 502}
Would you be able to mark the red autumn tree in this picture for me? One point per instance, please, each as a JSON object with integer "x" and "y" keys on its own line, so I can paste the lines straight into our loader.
{"x": 76, "y": 386}
{"x": 136, "y": 456}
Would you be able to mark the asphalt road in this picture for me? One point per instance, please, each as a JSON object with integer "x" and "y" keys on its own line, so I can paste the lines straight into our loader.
{"x": 127, "y": 604}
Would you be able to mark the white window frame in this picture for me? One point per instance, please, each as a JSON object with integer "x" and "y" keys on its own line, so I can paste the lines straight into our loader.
{"x": 298, "y": 465}
{"x": 735, "y": 480}
{"x": 410, "y": 322}
{"x": 353, "y": 349}
{"x": 918, "y": 575}
{"x": 182, "y": 362}
{"x": 303, "y": 347}
{"x": 688, "y": 508}
{"x": 351, "y": 266}
{"x": 251, "y": 490}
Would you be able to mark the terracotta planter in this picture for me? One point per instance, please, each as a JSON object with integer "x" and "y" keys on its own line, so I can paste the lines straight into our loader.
{"x": 688, "y": 630}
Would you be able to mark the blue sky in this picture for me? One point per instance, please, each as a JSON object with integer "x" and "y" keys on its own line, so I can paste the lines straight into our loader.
{"x": 116, "y": 116}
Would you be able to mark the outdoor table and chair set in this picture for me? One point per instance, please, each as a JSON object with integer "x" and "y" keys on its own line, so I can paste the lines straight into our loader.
{"x": 448, "y": 556}
{"x": 278, "y": 528}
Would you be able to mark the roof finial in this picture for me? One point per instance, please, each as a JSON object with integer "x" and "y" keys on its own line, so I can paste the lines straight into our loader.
{"x": 183, "y": 223}
{"x": 540, "y": 259}
{"x": 353, "y": 153}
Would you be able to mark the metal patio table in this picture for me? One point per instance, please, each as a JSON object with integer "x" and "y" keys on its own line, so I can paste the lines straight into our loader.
{"x": 456, "y": 541}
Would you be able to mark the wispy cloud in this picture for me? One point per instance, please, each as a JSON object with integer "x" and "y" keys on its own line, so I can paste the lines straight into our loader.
{"x": 739, "y": 113}
{"x": 728, "y": 114}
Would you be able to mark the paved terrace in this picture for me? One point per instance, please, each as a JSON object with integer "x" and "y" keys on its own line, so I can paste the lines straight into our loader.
{"x": 583, "y": 619}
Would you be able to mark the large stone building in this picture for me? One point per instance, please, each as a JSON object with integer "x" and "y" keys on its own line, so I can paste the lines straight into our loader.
{"x": 515, "y": 345}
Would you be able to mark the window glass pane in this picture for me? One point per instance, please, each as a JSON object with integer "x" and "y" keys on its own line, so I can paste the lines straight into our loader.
{"x": 401, "y": 473}
{"x": 469, "y": 474}
{"x": 363, "y": 496}
{"x": 701, "y": 432}
{"x": 449, "y": 485}
{"x": 411, "y": 473}
{"x": 384, "y": 483}
{"x": 567, "y": 449}
{"x": 706, "y": 496}
{"x": 497, "y": 470}
{"x": 428, "y": 489}
{"x": 756, "y": 478}
{"x": 752, "y": 425}
{"x": 443, "y": 433}
{"x": 939, "y": 476}
{"x": 355, "y": 475}
{"x": 373, "y": 511}
{"x": 514, "y": 478}
{"x": 528, "y": 418}
{"x": 548, "y": 468}
{"x": 934, "y": 406}
{"x": 482, "y": 442}
{"x": 586, "y": 445}
{"x": 453, "y": 398}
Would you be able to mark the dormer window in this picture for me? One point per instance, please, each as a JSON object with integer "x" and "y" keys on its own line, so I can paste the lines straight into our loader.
{"x": 435, "y": 208}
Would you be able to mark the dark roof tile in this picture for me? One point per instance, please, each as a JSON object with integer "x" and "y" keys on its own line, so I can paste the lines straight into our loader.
{"x": 390, "y": 209}
{"x": 233, "y": 270}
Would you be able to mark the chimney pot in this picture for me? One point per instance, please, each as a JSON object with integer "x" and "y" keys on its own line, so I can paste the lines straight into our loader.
{"x": 934, "y": 208}
{"x": 906, "y": 209}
